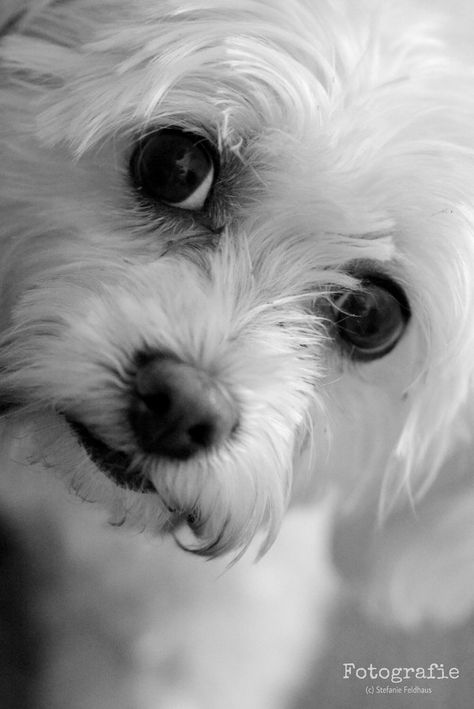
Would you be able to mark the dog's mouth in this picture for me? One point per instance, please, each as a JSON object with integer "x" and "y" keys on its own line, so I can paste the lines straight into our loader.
{"x": 113, "y": 463}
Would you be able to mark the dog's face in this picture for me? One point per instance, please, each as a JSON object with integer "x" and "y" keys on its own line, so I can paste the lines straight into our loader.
{"x": 235, "y": 254}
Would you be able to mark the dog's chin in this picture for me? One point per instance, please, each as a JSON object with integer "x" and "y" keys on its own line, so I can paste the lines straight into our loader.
{"x": 115, "y": 464}
{"x": 185, "y": 526}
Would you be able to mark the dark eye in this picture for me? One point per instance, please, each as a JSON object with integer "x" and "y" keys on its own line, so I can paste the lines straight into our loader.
{"x": 370, "y": 321}
{"x": 174, "y": 167}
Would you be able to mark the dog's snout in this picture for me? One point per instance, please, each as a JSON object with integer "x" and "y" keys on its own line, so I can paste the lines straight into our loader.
{"x": 180, "y": 410}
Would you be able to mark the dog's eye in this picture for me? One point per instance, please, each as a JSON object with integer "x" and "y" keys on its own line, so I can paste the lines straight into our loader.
{"x": 370, "y": 321}
{"x": 174, "y": 167}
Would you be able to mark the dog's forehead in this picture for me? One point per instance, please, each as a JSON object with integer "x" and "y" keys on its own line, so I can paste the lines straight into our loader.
{"x": 296, "y": 66}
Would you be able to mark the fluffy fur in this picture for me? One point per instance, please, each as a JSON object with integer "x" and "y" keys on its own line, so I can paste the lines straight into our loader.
{"x": 345, "y": 138}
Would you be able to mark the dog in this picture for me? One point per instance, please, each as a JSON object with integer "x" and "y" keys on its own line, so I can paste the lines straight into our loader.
{"x": 237, "y": 303}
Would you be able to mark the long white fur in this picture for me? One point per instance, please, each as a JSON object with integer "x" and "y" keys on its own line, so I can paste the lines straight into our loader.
{"x": 347, "y": 135}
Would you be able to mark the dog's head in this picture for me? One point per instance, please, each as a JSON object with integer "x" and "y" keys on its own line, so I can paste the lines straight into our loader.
{"x": 236, "y": 253}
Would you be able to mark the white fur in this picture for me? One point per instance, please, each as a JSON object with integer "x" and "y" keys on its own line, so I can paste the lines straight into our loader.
{"x": 346, "y": 135}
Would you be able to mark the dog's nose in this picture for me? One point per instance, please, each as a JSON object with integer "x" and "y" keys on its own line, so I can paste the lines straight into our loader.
{"x": 180, "y": 410}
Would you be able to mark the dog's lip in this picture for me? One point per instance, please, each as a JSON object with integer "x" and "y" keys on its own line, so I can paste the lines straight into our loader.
{"x": 113, "y": 463}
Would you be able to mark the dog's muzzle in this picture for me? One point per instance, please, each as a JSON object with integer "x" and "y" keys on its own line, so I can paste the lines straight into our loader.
{"x": 177, "y": 412}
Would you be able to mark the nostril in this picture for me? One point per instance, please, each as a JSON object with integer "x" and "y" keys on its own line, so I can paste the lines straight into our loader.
{"x": 160, "y": 403}
{"x": 202, "y": 434}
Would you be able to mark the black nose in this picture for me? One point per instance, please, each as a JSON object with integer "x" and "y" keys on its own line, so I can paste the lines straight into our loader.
{"x": 180, "y": 410}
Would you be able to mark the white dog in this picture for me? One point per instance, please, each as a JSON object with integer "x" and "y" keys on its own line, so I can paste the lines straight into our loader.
{"x": 237, "y": 247}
